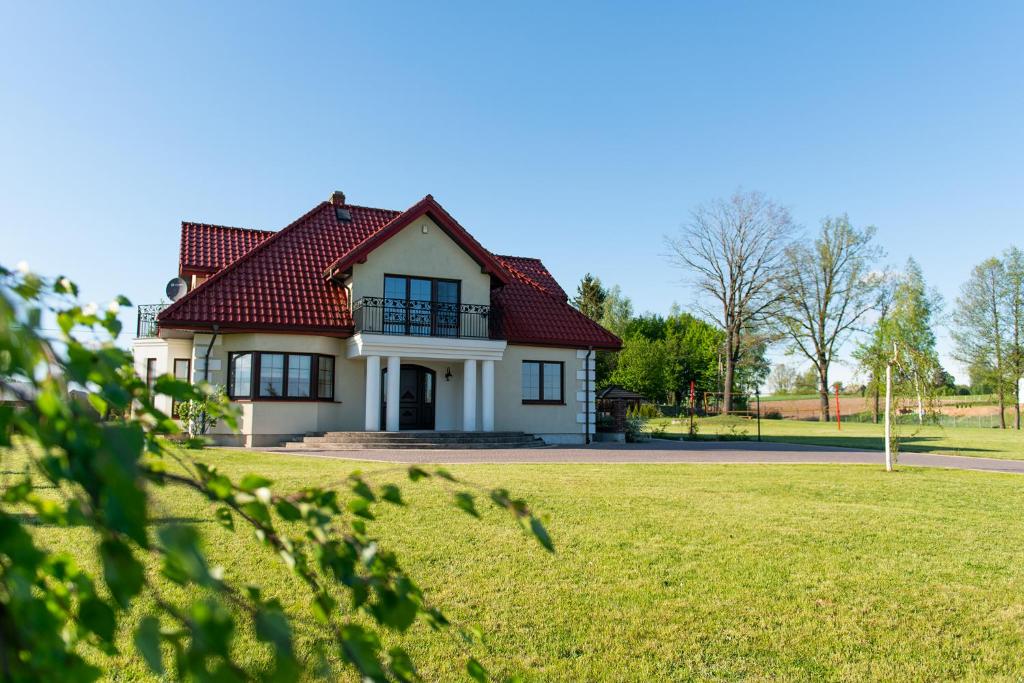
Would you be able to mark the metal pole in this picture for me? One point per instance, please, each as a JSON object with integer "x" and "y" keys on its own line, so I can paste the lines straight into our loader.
{"x": 839, "y": 421}
{"x": 888, "y": 411}
{"x": 693, "y": 406}
{"x": 757, "y": 393}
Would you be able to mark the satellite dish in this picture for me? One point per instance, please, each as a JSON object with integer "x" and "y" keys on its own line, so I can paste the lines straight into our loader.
{"x": 176, "y": 289}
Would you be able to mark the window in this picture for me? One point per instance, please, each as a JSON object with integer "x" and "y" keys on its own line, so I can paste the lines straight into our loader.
{"x": 271, "y": 375}
{"x": 299, "y": 374}
{"x": 325, "y": 377}
{"x": 543, "y": 381}
{"x": 280, "y": 376}
{"x": 240, "y": 371}
{"x": 421, "y": 306}
{"x": 182, "y": 373}
{"x": 150, "y": 372}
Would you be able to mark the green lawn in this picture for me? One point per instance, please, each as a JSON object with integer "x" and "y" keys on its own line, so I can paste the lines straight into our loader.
{"x": 684, "y": 572}
{"x": 977, "y": 441}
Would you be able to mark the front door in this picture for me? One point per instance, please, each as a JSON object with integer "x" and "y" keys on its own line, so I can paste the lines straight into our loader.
{"x": 416, "y": 398}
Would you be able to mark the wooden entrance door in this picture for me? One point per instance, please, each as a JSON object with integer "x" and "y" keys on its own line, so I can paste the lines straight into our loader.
{"x": 416, "y": 393}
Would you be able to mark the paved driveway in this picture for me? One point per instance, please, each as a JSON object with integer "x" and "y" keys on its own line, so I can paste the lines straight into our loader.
{"x": 664, "y": 451}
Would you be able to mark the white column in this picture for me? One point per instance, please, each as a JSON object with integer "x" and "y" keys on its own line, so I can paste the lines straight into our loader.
{"x": 469, "y": 396}
{"x": 394, "y": 377}
{"x": 487, "y": 398}
{"x": 373, "y": 393}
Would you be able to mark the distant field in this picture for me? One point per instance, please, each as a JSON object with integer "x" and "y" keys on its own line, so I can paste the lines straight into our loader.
{"x": 980, "y": 442}
{"x": 981, "y": 410}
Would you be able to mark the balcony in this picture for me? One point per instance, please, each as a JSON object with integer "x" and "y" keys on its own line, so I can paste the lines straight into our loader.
{"x": 146, "y": 322}
{"x": 377, "y": 315}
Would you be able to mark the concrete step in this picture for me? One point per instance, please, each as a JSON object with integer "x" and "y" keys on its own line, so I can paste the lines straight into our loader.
{"x": 409, "y": 445}
{"x": 414, "y": 439}
{"x": 399, "y": 437}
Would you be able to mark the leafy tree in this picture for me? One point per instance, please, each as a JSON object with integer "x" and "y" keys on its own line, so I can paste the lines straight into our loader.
{"x": 53, "y": 608}
{"x": 874, "y": 352}
{"x": 618, "y": 311}
{"x": 826, "y": 289}
{"x": 643, "y": 367}
{"x": 692, "y": 345}
{"x": 1013, "y": 260}
{"x": 590, "y": 297}
{"x": 734, "y": 250}
{"x": 782, "y": 379}
{"x": 807, "y": 381}
{"x": 914, "y": 310}
{"x": 980, "y": 327}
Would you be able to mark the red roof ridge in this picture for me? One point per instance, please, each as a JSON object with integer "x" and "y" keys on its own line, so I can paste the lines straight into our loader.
{"x": 200, "y": 224}
{"x": 220, "y": 274}
{"x": 445, "y": 220}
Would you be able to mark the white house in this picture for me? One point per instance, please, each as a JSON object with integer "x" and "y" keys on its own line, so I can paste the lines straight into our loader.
{"x": 354, "y": 318}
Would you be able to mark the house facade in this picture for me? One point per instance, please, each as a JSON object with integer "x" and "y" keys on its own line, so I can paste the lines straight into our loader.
{"x": 361, "y": 319}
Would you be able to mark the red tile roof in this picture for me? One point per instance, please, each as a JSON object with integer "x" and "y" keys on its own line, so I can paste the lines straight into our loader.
{"x": 425, "y": 207}
{"x": 207, "y": 248}
{"x": 277, "y": 280}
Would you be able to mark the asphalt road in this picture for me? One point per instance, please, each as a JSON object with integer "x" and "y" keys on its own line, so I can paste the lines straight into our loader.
{"x": 663, "y": 451}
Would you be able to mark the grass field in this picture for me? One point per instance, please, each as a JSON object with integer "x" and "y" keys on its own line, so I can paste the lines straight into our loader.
{"x": 989, "y": 443}
{"x": 683, "y": 572}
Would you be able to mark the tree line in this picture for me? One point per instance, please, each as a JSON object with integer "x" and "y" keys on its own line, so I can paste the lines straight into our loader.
{"x": 761, "y": 282}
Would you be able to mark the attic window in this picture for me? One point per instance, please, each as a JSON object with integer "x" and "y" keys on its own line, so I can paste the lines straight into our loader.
{"x": 343, "y": 215}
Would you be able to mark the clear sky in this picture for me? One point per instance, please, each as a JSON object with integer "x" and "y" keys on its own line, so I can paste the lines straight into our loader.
{"x": 580, "y": 133}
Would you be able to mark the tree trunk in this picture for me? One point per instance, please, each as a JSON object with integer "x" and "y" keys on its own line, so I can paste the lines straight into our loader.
{"x": 878, "y": 396}
{"x": 730, "y": 371}
{"x": 1016, "y": 402}
{"x": 823, "y": 391}
{"x": 920, "y": 403}
{"x": 1002, "y": 405}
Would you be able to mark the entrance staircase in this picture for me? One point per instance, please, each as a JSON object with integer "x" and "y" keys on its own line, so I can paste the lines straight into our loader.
{"x": 360, "y": 441}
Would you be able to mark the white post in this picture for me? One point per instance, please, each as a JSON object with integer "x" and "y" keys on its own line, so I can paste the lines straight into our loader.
{"x": 372, "y": 393}
{"x": 394, "y": 379}
{"x": 469, "y": 396}
{"x": 888, "y": 412}
{"x": 487, "y": 400}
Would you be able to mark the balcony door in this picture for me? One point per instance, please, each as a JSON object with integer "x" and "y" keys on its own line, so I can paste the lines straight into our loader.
{"x": 426, "y": 307}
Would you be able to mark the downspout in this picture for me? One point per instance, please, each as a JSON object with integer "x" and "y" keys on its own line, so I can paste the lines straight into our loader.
{"x": 206, "y": 375}
{"x": 586, "y": 396}
{"x": 206, "y": 358}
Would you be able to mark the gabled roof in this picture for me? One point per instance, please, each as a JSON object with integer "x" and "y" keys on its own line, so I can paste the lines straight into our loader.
{"x": 615, "y": 392}
{"x": 207, "y": 248}
{"x": 424, "y": 207}
{"x": 279, "y": 282}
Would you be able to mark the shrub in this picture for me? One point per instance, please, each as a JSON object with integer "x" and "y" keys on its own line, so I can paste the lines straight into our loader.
{"x": 636, "y": 428}
{"x": 647, "y": 411}
{"x": 200, "y": 415}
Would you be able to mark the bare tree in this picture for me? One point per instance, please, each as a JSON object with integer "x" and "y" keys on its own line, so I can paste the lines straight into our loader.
{"x": 732, "y": 249}
{"x": 826, "y": 288}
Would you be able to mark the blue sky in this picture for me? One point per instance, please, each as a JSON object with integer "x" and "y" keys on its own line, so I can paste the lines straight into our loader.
{"x": 580, "y": 133}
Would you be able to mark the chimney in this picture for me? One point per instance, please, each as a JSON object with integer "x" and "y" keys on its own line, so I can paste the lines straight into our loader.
{"x": 340, "y": 212}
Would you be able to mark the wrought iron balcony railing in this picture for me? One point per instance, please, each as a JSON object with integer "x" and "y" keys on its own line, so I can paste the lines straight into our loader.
{"x": 146, "y": 325}
{"x": 426, "y": 318}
